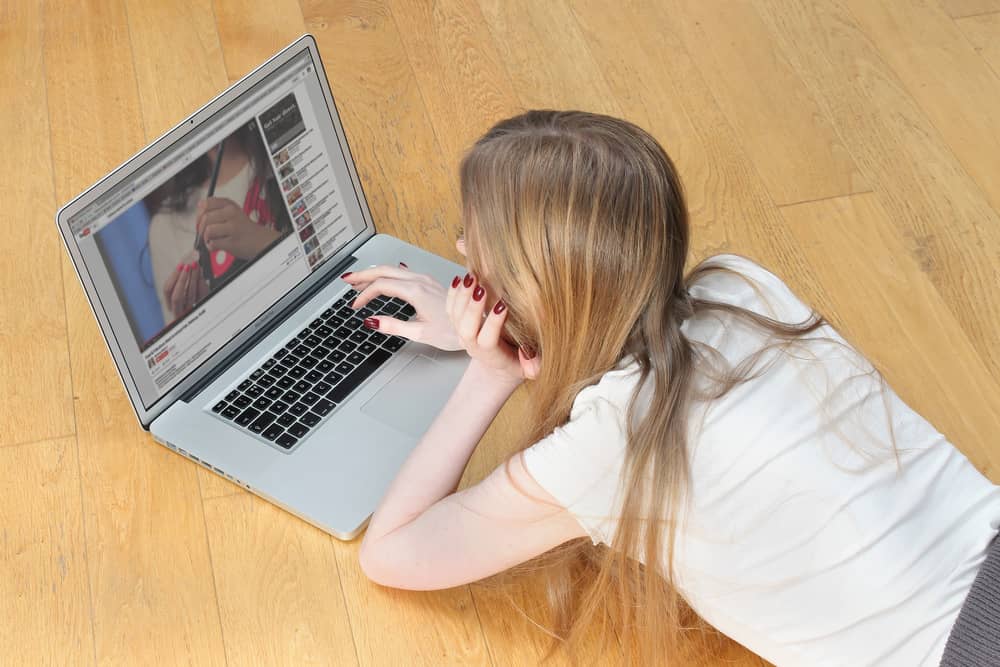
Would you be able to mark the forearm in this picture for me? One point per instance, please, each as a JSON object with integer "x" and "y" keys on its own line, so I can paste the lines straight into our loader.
{"x": 435, "y": 466}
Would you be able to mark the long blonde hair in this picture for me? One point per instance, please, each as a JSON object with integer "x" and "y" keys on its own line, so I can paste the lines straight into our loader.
{"x": 579, "y": 222}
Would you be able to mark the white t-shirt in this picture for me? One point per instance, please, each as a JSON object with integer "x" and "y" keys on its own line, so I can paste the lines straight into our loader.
{"x": 798, "y": 545}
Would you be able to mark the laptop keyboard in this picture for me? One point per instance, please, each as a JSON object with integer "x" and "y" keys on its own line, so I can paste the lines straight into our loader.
{"x": 299, "y": 386}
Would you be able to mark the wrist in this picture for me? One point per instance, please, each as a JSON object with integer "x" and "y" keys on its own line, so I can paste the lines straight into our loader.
{"x": 483, "y": 375}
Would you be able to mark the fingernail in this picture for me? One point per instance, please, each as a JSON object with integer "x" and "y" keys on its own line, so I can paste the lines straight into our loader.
{"x": 371, "y": 323}
{"x": 468, "y": 280}
{"x": 403, "y": 264}
{"x": 344, "y": 275}
{"x": 456, "y": 282}
{"x": 500, "y": 307}
{"x": 527, "y": 352}
{"x": 193, "y": 265}
{"x": 180, "y": 267}
{"x": 478, "y": 293}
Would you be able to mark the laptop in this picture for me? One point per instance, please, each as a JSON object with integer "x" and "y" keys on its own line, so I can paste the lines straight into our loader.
{"x": 212, "y": 261}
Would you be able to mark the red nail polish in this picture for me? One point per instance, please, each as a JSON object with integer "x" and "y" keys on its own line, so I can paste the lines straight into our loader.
{"x": 500, "y": 307}
{"x": 478, "y": 293}
{"x": 403, "y": 264}
{"x": 456, "y": 282}
{"x": 371, "y": 323}
{"x": 346, "y": 274}
{"x": 468, "y": 280}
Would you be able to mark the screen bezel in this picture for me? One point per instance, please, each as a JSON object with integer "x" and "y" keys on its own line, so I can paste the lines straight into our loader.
{"x": 192, "y": 123}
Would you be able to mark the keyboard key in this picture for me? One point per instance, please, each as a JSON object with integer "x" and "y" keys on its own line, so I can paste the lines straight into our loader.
{"x": 286, "y": 382}
{"x": 321, "y": 388}
{"x": 358, "y": 375}
{"x": 245, "y": 384}
{"x": 290, "y": 397}
{"x": 274, "y": 392}
{"x": 231, "y": 396}
{"x": 344, "y": 367}
{"x": 230, "y": 412}
{"x": 268, "y": 364}
{"x": 348, "y": 346}
{"x": 359, "y": 336}
{"x": 256, "y": 374}
{"x": 286, "y": 440}
{"x": 320, "y": 351}
{"x": 345, "y": 312}
{"x": 247, "y": 416}
{"x": 265, "y": 381}
{"x": 296, "y": 372}
{"x": 379, "y": 301}
{"x": 278, "y": 407}
{"x": 316, "y": 323}
{"x": 262, "y": 403}
{"x": 289, "y": 361}
{"x": 262, "y": 422}
{"x": 309, "y": 362}
{"x": 322, "y": 407}
{"x": 365, "y": 312}
{"x": 323, "y": 331}
{"x": 272, "y": 432}
{"x": 278, "y": 371}
{"x": 377, "y": 338}
{"x": 408, "y": 310}
{"x": 338, "y": 355}
{"x": 350, "y": 295}
{"x": 302, "y": 386}
{"x": 324, "y": 366}
{"x": 309, "y": 398}
{"x": 366, "y": 347}
{"x": 402, "y": 316}
{"x": 301, "y": 351}
{"x": 286, "y": 419}
{"x": 326, "y": 314}
{"x": 298, "y": 430}
{"x": 339, "y": 303}
{"x": 309, "y": 419}
{"x": 333, "y": 378}
{"x": 314, "y": 376}
{"x": 218, "y": 407}
{"x": 389, "y": 309}
{"x": 335, "y": 322}
{"x": 311, "y": 340}
{"x": 242, "y": 401}
{"x": 342, "y": 332}
{"x": 394, "y": 343}
{"x": 355, "y": 357}
{"x": 254, "y": 390}
{"x": 298, "y": 409}
{"x": 280, "y": 353}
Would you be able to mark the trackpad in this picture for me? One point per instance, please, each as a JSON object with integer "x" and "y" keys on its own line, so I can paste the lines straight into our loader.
{"x": 412, "y": 399}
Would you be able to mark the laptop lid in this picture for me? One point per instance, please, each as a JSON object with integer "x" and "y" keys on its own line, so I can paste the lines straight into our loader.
{"x": 266, "y": 168}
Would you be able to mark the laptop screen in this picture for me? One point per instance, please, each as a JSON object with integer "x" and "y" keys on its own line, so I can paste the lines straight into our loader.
{"x": 196, "y": 244}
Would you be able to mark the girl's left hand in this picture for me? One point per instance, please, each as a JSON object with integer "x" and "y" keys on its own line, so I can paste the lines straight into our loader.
{"x": 466, "y": 304}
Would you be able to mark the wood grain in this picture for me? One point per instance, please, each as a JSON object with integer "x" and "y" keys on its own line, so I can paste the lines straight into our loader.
{"x": 149, "y": 570}
{"x": 983, "y": 32}
{"x": 279, "y": 591}
{"x": 34, "y": 382}
{"x": 955, "y": 237}
{"x": 958, "y": 8}
{"x": 788, "y": 138}
{"x": 44, "y": 589}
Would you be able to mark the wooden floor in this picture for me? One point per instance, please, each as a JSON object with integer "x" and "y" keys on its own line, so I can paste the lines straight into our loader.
{"x": 852, "y": 146}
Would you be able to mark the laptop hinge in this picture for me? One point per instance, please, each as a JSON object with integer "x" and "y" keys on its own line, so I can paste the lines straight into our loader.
{"x": 278, "y": 319}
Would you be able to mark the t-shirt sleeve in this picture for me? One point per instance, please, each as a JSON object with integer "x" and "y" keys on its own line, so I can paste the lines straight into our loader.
{"x": 774, "y": 299}
{"x": 580, "y": 464}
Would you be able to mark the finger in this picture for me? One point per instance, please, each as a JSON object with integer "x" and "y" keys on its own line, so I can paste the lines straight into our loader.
{"x": 460, "y": 245}
{"x": 192, "y": 293}
{"x": 168, "y": 287}
{"x": 180, "y": 289}
{"x": 459, "y": 300}
{"x": 214, "y": 231}
{"x": 402, "y": 289}
{"x": 489, "y": 334}
{"x": 367, "y": 276}
{"x": 393, "y": 327}
{"x": 456, "y": 283}
{"x": 471, "y": 320}
{"x": 216, "y": 203}
{"x": 216, "y": 216}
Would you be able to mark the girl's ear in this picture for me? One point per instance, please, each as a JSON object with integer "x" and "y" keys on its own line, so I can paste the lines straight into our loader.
{"x": 529, "y": 367}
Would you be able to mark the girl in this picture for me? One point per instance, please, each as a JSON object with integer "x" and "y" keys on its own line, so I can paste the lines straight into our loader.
{"x": 698, "y": 440}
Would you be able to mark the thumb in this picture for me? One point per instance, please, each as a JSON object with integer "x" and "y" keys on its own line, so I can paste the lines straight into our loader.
{"x": 391, "y": 326}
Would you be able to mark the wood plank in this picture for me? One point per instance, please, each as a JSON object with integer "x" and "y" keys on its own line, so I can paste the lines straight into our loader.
{"x": 944, "y": 218}
{"x": 789, "y": 139}
{"x": 279, "y": 589}
{"x": 959, "y": 8}
{"x": 902, "y": 323}
{"x": 547, "y": 73}
{"x": 151, "y": 579}
{"x": 37, "y": 396}
{"x": 941, "y": 71}
{"x": 983, "y": 32}
{"x": 44, "y": 590}
{"x": 460, "y": 72}
{"x": 412, "y": 195}
{"x": 251, "y": 32}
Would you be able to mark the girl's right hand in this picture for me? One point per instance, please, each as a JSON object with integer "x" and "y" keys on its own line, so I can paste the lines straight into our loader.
{"x": 430, "y": 325}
